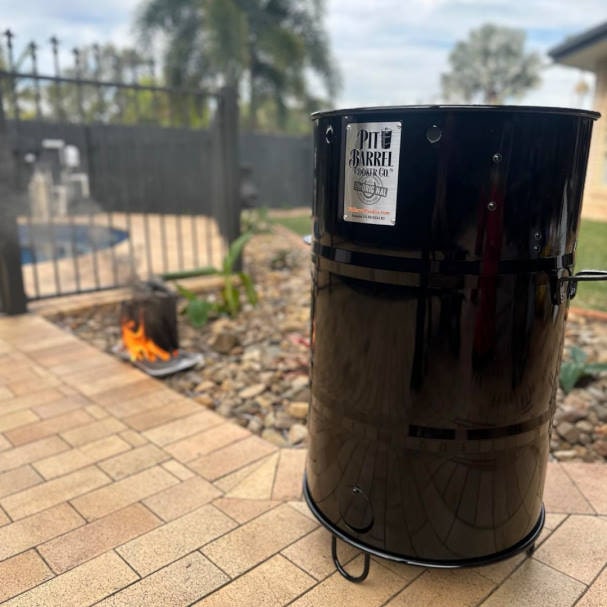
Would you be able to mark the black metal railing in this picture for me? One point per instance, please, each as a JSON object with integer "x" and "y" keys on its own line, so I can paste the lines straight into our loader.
{"x": 110, "y": 179}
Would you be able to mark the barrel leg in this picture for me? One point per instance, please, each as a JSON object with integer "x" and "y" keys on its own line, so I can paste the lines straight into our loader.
{"x": 351, "y": 578}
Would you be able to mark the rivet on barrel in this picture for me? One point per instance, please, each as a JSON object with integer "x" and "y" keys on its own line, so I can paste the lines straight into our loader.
{"x": 497, "y": 158}
{"x": 491, "y": 205}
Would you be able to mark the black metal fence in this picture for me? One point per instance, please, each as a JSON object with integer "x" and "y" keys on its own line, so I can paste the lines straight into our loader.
{"x": 107, "y": 180}
{"x": 282, "y": 168}
{"x": 139, "y": 168}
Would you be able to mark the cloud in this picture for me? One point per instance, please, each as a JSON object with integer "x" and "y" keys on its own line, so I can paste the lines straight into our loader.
{"x": 74, "y": 22}
{"x": 390, "y": 51}
{"x": 393, "y": 51}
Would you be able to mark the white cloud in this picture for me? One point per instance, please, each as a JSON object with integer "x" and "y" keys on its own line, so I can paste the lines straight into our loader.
{"x": 390, "y": 51}
{"x": 393, "y": 51}
{"x": 74, "y": 22}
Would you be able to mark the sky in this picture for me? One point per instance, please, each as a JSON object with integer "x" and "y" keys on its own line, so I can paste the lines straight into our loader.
{"x": 390, "y": 52}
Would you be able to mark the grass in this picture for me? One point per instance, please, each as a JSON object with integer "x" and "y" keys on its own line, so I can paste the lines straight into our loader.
{"x": 300, "y": 224}
{"x": 591, "y": 254}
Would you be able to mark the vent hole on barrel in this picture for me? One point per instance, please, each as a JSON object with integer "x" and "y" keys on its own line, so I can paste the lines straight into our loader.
{"x": 434, "y": 134}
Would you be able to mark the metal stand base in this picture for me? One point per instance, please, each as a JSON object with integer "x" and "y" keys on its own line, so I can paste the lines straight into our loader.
{"x": 526, "y": 544}
{"x": 351, "y": 578}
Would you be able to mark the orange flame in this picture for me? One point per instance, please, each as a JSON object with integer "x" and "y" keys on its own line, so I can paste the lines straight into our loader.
{"x": 139, "y": 345}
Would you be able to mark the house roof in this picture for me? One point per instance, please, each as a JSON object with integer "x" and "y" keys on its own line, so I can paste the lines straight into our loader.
{"x": 584, "y": 50}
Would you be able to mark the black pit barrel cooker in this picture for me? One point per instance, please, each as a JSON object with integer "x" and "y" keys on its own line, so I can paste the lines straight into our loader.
{"x": 443, "y": 266}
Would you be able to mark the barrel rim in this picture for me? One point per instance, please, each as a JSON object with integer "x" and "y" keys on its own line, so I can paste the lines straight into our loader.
{"x": 518, "y": 109}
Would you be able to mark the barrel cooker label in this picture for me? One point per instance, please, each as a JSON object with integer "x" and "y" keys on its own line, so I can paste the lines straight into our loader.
{"x": 371, "y": 172}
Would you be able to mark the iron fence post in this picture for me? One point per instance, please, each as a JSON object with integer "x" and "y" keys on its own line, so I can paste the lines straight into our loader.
{"x": 12, "y": 292}
{"x": 226, "y": 197}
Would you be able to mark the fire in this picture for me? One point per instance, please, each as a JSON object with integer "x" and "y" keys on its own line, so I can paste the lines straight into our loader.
{"x": 139, "y": 345}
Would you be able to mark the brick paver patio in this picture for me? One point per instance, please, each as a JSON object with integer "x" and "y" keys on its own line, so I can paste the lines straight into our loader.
{"x": 115, "y": 490}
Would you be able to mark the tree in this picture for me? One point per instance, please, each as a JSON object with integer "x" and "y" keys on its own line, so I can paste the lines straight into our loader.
{"x": 125, "y": 105}
{"x": 491, "y": 65}
{"x": 98, "y": 63}
{"x": 269, "y": 44}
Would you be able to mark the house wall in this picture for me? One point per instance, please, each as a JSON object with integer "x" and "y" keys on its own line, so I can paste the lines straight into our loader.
{"x": 595, "y": 196}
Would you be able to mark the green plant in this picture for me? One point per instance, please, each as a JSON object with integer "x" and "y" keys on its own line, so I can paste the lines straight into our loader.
{"x": 198, "y": 309}
{"x": 576, "y": 368}
{"x": 230, "y": 292}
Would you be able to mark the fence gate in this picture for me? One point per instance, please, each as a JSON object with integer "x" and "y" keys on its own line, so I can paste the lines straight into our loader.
{"x": 104, "y": 181}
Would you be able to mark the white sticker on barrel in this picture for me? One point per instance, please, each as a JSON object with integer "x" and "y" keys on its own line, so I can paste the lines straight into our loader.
{"x": 371, "y": 172}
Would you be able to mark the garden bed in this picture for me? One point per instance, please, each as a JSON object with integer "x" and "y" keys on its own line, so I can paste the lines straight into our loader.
{"x": 255, "y": 367}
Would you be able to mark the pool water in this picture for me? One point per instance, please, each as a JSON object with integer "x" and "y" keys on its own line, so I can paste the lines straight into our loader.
{"x": 43, "y": 242}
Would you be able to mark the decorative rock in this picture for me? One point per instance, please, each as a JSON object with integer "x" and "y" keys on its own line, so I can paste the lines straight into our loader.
{"x": 601, "y": 448}
{"x": 297, "y": 434}
{"x": 301, "y": 381}
{"x": 279, "y": 359}
{"x": 251, "y": 367}
{"x": 597, "y": 393}
{"x": 565, "y": 456}
{"x": 569, "y": 432}
{"x": 255, "y": 425}
{"x": 205, "y": 400}
{"x": 264, "y": 402}
{"x": 227, "y": 385}
{"x": 224, "y": 342}
{"x": 220, "y": 325}
{"x": 298, "y": 409}
{"x": 252, "y": 391}
{"x": 601, "y": 411}
{"x": 283, "y": 420}
{"x": 245, "y": 410}
{"x": 193, "y": 377}
{"x": 269, "y": 420}
{"x": 304, "y": 395}
{"x": 266, "y": 377}
{"x": 225, "y": 408}
{"x": 584, "y": 426}
{"x": 601, "y": 430}
{"x": 252, "y": 355}
{"x": 205, "y": 386}
{"x": 274, "y": 437}
{"x": 571, "y": 414}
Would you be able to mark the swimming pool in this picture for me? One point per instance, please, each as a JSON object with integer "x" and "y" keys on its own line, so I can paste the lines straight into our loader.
{"x": 43, "y": 242}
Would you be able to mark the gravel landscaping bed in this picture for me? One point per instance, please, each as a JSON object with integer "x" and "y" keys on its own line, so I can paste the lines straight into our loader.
{"x": 255, "y": 366}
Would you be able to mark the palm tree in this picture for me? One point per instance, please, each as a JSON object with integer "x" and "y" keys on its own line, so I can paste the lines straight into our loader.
{"x": 267, "y": 43}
